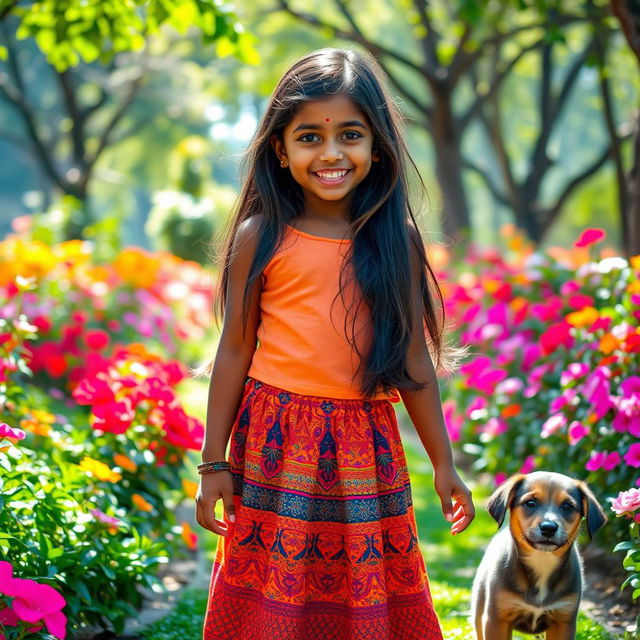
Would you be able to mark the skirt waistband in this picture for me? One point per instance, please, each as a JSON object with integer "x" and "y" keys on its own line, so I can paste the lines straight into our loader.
{"x": 353, "y": 403}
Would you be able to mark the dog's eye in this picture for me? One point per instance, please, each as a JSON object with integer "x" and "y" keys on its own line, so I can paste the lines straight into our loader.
{"x": 531, "y": 503}
{"x": 567, "y": 507}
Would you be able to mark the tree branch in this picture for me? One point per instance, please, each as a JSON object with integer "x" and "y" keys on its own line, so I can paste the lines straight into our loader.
{"x": 493, "y": 188}
{"x": 431, "y": 39}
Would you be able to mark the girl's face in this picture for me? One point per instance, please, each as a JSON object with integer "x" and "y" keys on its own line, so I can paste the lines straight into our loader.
{"x": 327, "y": 146}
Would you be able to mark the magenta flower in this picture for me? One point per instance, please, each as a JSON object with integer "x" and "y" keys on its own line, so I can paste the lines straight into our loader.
{"x": 452, "y": 421}
{"x": 532, "y": 353}
{"x": 596, "y": 461}
{"x": 11, "y": 432}
{"x": 528, "y": 465}
{"x": 632, "y": 457}
{"x": 101, "y": 516}
{"x": 597, "y": 391}
{"x": 577, "y": 431}
{"x": 590, "y": 236}
{"x": 499, "y": 478}
{"x": 627, "y": 418}
{"x": 611, "y": 461}
{"x": 34, "y": 602}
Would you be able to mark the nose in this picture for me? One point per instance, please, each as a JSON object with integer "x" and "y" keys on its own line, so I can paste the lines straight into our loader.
{"x": 548, "y": 528}
{"x": 331, "y": 152}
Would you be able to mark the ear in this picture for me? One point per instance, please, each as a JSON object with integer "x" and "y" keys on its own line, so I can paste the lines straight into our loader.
{"x": 502, "y": 497}
{"x": 279, "y": 149}
{"x": 593, "y": 513}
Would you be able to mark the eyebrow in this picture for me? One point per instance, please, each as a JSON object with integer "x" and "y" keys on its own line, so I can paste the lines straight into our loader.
{"x": 315, "y": 127}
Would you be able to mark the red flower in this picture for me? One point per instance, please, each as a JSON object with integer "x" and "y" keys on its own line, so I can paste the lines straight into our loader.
{"x": 97, "y": 339}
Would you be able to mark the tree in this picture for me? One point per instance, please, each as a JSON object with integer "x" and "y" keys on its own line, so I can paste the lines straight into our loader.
{"x": 100, "y": 34}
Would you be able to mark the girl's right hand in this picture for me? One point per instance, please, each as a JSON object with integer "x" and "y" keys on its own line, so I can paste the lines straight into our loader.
{"x": 213, "y": 487}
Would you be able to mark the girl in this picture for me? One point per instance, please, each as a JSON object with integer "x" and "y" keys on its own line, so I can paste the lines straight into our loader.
{"x": 324, "y": 267}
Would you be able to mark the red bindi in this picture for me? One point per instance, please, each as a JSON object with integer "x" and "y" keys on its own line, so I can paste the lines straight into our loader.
{"x": 327, "y": 119}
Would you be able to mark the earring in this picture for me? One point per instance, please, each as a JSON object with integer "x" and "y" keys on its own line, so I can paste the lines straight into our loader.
{"x": 283, "y": 163}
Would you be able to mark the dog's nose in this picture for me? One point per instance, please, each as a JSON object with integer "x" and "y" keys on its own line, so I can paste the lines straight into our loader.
{"x": 548, "y": 528}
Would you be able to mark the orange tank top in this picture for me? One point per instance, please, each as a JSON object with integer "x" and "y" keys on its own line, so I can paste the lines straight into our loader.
{"x": 303, "y": 346}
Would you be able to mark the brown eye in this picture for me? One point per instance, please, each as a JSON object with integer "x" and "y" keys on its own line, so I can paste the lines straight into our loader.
{"x": 567, "y": 507}
{"x": 531, "y": 503}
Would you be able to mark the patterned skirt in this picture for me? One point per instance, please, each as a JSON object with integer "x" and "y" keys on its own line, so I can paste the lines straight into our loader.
{"x": 325, "y": 545}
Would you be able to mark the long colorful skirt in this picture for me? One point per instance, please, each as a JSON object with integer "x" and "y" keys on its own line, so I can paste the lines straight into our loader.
{"x": 325, "y": 545}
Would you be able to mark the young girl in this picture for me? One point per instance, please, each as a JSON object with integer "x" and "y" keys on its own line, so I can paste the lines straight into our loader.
{"x": 325, "y": 269}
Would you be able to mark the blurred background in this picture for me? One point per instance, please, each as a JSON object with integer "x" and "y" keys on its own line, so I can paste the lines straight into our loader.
{"x": 522, "y": 112}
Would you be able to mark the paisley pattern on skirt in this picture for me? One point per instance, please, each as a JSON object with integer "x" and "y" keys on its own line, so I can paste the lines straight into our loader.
{"x": 325, "y": 545}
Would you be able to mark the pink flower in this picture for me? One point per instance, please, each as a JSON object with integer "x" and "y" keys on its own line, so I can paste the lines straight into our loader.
{"x": 494, "y": 427}
{"x": 611, "y": 461}
{"x": 499, "y": 478}
{"x": 114, "y": 417}
{"x": 627, "y": 418}
{"x": 454, "y": 423}
{"x": 596, "y": 461}
{"x": 528, "y": 465}
{"x": 11, "y": 432}
{"x": 577, "y": 431}
{"x": 580, "y": 301}
{"x": 478, "y": 403}
{"x": 532, "y": 353}
{"x": 510, "y": 386}
{"x": 97, "y": 339}
{"x": 632, "y": 457}
{"x": 573, "y": 371}
{"x": 597, "y": 391}
{"x": 626, "y": 502}
{"x": 34, "y": 602}
{"x": 104, "y": 518}
{"x": 590, "y": 236}
{"x": 553, "y": 424}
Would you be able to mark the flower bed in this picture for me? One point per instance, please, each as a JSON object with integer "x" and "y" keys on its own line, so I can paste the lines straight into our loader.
{"x": 92, "y": 435}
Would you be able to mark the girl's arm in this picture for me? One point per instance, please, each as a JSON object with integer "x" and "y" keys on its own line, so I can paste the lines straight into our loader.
{"x": 232, "y": 361}
{"x": 425, "y": 410}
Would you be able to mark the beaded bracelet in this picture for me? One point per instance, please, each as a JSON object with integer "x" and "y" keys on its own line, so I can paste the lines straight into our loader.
{"x": 212, "y": 467}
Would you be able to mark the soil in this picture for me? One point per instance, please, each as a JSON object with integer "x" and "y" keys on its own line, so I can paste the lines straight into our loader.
{"x": 602, "y": 599}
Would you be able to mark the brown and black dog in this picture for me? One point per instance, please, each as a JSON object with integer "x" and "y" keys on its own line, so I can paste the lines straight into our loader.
{"x": 530, "y": 578}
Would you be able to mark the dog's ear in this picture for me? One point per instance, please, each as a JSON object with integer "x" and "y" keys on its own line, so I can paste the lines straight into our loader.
{"x": 591, "y": 509}
{"x": 502, "y": 497}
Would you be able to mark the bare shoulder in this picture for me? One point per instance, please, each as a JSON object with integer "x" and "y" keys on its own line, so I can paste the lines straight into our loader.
{"x": 246, "y": 236}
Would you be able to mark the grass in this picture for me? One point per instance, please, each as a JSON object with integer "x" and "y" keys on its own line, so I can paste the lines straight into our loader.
{"x": 451, "y": 562}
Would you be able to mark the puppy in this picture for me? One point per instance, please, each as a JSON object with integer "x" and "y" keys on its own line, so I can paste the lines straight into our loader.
{"x": 530, "y": 578}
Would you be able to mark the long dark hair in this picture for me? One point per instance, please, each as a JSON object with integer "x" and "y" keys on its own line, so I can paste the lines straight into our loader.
{"x": 383, "y": 226}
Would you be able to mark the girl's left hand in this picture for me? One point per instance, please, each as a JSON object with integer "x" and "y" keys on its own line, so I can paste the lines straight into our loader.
{"x": 450, "y": 487}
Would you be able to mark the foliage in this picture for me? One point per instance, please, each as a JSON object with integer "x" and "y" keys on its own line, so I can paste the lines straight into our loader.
{"x": 552, "y": 383}
{"x": 87, "y": 495}
{"x": 98, "y": 31}
{"x": 627, "y": 506}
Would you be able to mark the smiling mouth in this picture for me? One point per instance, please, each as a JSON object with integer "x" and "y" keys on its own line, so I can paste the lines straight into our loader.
{"x": 332, "y": 175}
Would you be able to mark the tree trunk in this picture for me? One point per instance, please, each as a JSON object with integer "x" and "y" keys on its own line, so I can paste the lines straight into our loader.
{"x": 456, "y": 221}
{"x": 632, "y": 227}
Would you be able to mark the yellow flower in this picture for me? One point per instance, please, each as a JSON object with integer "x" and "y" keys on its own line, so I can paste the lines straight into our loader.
{"x": 583, "y": 318}
{"x": 141, "y": 503}
{"x": 43, "y": 416}
{"x": 125, "y": 462}
{"x": 100, "y": 470}
{"x": 635, "y": 262}
{"x": 189, "y": 487}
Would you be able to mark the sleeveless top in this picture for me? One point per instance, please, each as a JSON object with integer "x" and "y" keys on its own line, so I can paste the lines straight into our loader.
{"x": 303, "y": 346}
